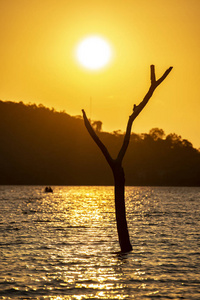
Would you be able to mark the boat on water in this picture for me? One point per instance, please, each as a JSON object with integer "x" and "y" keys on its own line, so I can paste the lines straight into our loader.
{"x": 48, "y": 189}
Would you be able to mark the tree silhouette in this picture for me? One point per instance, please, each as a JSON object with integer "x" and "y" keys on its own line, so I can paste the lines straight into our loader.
{"x": 97, "y": 125}
{"x": 157, "y": 133}
{"x": 116, "y": 164}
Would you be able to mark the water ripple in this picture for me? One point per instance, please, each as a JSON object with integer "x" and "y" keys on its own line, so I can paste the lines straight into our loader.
{"x": 64, "y": 245}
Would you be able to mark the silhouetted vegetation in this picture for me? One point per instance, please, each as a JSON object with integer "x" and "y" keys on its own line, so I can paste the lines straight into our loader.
{"x": 42, "y": 146}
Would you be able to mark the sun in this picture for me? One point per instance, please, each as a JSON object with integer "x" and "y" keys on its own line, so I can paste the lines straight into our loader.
{"x": 94, "y": 52}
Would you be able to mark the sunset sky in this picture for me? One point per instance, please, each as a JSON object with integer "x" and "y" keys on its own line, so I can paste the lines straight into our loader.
{"x": 38, "y": 60}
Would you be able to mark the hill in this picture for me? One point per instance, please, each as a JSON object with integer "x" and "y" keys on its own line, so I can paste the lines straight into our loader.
{"x": 42, "y": 146}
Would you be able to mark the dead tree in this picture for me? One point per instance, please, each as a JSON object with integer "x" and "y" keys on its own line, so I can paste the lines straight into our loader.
{"x": 116, "y": 164}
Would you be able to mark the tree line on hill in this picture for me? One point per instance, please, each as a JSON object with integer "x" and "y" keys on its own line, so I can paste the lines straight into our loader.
{"x": 40, "y": 146}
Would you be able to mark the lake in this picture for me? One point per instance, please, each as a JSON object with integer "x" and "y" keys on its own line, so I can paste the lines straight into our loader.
{"x": 63, "y": 245}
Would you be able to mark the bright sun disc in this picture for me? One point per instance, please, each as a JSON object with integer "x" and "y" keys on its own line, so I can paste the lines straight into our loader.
{"x": 93, "y": 53}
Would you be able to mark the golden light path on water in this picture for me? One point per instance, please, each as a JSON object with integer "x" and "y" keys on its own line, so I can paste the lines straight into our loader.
{"x": 63, "y": 246}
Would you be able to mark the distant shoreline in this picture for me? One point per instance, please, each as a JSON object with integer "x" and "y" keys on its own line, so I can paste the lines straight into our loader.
{"x": 40, "y": 146}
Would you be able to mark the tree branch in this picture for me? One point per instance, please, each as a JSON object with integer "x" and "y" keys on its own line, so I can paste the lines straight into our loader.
{"x": 97, "y": 140}
{"x": 139, "y": 108}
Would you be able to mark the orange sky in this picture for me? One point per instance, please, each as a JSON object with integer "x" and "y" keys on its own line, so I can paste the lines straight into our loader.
{"x": 38, "y": 65}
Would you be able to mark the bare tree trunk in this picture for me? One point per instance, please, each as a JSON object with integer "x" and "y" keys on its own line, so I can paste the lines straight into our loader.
{"x": 116, "y": 165}
{"x": 120, "y": 210}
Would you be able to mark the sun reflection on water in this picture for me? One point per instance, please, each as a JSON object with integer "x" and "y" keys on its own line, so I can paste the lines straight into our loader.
{"x": 90, "y": 214}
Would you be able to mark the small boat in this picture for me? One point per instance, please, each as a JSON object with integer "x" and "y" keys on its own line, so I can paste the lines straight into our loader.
{"x": 48, "y": 189}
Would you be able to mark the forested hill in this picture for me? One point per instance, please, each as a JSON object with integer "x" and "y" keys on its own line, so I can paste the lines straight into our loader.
{"x": 45, "y": 147}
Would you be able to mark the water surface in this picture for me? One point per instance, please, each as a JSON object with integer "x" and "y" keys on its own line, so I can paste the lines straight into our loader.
{"x": 63, "y": 245}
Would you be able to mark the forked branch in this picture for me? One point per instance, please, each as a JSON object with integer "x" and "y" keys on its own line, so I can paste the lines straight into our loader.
{"x": 136, "y": 111}
{"x": 139, "y": 108}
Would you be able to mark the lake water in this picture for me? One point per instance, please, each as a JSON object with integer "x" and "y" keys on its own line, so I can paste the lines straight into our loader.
{"x": 63, "y": 245}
